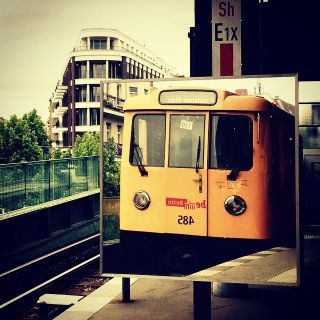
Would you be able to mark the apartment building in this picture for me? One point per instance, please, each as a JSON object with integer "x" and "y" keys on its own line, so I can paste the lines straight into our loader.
{"x": 99, "y": 54}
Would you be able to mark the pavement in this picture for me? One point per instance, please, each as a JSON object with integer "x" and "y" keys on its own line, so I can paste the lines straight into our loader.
{"x": 164, "y": 298}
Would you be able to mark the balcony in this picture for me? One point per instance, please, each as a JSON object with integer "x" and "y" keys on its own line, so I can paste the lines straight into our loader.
{"x": 59, "y": 111}
{"x": 57, "y": 129}
{"x": 59, "y": 92}
{"x": 114, "y": 103}
{"x": 85, "y": 74}
{"x": 152, "y": 60}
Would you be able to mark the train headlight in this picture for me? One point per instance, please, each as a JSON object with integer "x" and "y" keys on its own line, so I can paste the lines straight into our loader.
{"x": 235, "y": 205}
{"x": 141, "y": 200}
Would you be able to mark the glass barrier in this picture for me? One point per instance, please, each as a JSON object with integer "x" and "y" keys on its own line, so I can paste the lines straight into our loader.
{"x": 32, "y": 183}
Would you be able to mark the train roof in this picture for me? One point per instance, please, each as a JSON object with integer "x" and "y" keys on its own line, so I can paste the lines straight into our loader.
{"x": 281, "y": 104}
{"x": 179, "y": 98}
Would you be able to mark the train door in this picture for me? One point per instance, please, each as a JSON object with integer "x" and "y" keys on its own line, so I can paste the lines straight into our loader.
{"x": 186, "y": 177}
{"x": 231, "y": 180}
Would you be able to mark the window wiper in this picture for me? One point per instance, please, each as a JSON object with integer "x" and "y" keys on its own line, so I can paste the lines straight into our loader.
{"x": 198, "y": 156}
{"x": 232, "y": 176}
{"x": 137, "y": 153}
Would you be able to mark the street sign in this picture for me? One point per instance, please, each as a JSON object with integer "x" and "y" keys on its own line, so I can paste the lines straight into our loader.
{"x": 226, "y": 38}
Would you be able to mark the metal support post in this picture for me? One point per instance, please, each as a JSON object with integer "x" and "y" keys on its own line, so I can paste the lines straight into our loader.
{"x": 201, "y": 300}
{"x": 125, "y": 289}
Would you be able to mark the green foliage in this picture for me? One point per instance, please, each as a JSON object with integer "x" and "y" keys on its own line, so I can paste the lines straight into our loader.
{"x": 111, "y": 172}
{"x": 37, "y": 182}
{"x": 67, "y": 153}
{"x": 23, "y": 145}
{"x": 111, "y": 228}
{"x": 89, "y": 145}
{"x": 37, "y": 126}
{"x": 56, "y": 154}
{"x": 4, "y": 141}
{"x": 21, "y": 140}
{"x": 59, "y": 154}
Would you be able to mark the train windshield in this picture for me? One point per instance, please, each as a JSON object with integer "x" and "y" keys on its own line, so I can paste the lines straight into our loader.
{"x": 148, "y": 136}
{"x": 231, "y": 143}
{"x": 186, "y": 141}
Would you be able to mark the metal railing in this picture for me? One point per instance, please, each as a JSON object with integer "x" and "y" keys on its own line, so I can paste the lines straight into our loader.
{"x": 32, "y": 183}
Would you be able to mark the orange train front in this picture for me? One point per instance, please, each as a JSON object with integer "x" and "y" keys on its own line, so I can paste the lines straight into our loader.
{"x": 206, "y": 176}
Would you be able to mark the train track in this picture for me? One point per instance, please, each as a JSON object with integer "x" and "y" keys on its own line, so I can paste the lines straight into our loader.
{"x": 64, "y": 271}
{"x": 50, "y": 305}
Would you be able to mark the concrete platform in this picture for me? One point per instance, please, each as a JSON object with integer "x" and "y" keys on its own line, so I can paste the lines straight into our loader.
{"x": 166, "y": 298}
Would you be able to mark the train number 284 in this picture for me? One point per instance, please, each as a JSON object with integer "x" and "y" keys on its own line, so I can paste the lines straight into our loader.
{"x": 185, "y": 220}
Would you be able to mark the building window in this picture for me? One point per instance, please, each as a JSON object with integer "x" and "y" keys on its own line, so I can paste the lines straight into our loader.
{"x": 309, "y": 125}
{"x": 133, "y": 91}
{"x": 65, "y": 139}
{"x": 81, "y": 117}
{"x": 128, "y": 70}
{"x": 94, "y": 117}
{"x": 80, "y": 134}
{"x": 119, "y": 134}
{"x": 108, "y": 130}
{"x": 111, "y": 44}
{"x": 81, "y": 70}
{"x": 95, "y": 93}
{"x": 118, "y": 92}
{"x": 81, "y": 93}
{"x": 98, "y": 70}
{"x": 65, "y": 120}
{"x": 98, "y": 44}
{"x": 114, "y": 70}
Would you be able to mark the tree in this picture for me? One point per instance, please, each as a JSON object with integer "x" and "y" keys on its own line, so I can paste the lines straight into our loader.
{"x": 23, "y": 139}
{"x": 111, "y": 172}
{"x": 22, "y": 142}
{"x": 37, "y": 126}
{"x": 89, "y": 145}
{"x": 58, "y": 154}
{"x": 4, "y": 141}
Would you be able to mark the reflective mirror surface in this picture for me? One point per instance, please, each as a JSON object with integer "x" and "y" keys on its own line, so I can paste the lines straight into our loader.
{"x": 208, "y": 187}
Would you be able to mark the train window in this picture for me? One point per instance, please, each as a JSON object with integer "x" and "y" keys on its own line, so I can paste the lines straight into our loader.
{"x": 231, "y": 142}
{"x": 186, "y": 141}
{"x": 148, "y": 132}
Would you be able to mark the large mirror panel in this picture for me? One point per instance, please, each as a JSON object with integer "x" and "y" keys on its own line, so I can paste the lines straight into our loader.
{"x": 208, "y": 179}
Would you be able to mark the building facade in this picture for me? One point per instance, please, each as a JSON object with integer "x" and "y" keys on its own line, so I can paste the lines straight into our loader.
{"x": 98, "y": 54}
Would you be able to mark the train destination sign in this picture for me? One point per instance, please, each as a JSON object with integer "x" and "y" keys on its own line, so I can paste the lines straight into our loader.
{"x": 196, "y": 97}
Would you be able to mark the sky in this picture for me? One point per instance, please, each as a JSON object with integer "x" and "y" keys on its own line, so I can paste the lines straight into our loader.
{"x": 37, "y": 36}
